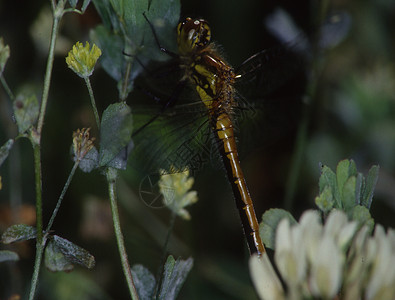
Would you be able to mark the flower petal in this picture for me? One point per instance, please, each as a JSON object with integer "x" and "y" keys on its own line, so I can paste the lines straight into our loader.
{"x": 264, "y": 278}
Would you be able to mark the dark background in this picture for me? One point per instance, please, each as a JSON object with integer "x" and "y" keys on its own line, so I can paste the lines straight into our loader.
{"x": 352, "y": 116}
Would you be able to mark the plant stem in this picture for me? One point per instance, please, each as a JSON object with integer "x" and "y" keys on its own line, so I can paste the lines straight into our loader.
{"x": 66, "y": 186}
{"x": 6, "y": 88}
{"x": 38, "y": 180}
{"x": 37, "y": 265}
{"x": 35, "y": 138}
{"x": 93, "y": 102}
{"x": 311, "y": 94}
{"x": 125, "y": 83}
{"x": 297, "y": 158}
{"x": 39, "y": 219}
{"x": 48, "y": 73}
{"x": 111, "y": 175}
{"x": 163, "y": 259}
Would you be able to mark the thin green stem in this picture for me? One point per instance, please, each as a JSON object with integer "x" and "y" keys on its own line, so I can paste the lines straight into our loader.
{"x": 37, "y": 265}
{"x": 111, "y": 175}
{"x": 6, "y": 87}
{"x": 125, "y": 83}
{"x": 39, "y": 219}
{"x": 163, "y": 259}
{"x": 48, "y": 72}
{"x": 73, "y": 10}
{"x": 35, "y": 138}
{"x": 297, "y": 159}
{"x": 311, "y": 94}
{"x": 93, "y": 102}
{"x": 66, "y": 186}
{"x": 38, "y": 185}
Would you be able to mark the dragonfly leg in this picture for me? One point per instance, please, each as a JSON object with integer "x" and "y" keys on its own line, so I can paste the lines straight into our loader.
{"x": 163, "y": 49}
{"x": 169, "y": 103}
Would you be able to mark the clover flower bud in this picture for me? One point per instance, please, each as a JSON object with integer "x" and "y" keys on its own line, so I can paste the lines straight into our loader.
{"x": 82, "y": 143}
{"x": 82, "y": 60}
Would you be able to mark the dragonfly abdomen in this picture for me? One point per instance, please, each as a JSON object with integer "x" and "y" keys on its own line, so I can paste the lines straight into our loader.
{"x": 223, "y": 128}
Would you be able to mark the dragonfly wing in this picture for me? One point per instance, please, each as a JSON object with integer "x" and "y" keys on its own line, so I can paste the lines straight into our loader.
{"x": 269, "y": 96}
{"x": 175, "y": 139}
{"x": 265, "y": 72}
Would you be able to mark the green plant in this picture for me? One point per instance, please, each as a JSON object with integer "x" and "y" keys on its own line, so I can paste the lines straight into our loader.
{"x": 121, "y": 36}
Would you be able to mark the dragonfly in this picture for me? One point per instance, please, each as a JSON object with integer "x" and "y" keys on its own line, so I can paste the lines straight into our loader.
{"x": 204, "y": 70}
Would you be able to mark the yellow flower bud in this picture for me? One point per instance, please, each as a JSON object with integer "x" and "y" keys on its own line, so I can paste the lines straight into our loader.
{"x": 175, "y": 189}
{"x": 82, "y": 60}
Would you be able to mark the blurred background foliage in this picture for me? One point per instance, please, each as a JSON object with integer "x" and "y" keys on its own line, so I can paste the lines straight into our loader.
{"x": 352, "y": 115}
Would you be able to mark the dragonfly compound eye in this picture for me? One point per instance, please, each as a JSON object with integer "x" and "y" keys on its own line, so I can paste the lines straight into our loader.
{"x": 193, "y": 35}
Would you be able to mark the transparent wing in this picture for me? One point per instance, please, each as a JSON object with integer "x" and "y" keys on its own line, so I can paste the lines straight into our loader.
{"x": 171, "y": 124}
{"x": 270, "y": 86}
{"x": 170, "y": 138}
{"x": 264, "y": 73}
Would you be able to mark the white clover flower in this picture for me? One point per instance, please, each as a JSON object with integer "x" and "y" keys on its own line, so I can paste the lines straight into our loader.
{"x": 331, "y": 261}
{"x": 266, "y": 282}
{"x": 326, "y": 269}
{"x": 290, "y": 255}
{"x": 338, "y": 226}
{"x": 312, "y": 229}
{"x": 382, "y": 277}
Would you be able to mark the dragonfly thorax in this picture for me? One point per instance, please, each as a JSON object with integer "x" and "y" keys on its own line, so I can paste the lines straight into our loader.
{"x": 213, "y": 80}
{"x": 204, "y": 67}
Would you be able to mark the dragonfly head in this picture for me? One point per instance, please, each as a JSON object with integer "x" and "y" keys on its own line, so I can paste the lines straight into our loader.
{"x": 192, "y": 35}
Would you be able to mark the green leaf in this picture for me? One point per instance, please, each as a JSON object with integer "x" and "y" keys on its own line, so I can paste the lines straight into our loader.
{"x": 328, "y": 178}
{"x": 6, "y": 255}
{"x": 362, "y": 215}
{"x": 90, "y": 161}
{"x": 126, "y": 34}
{"x": 342, "y": 173}
{"x": 115, "y": 136}
{"x": 348, "y": 194}
{"x": 325, "y": 200}
{"x": 17, "y": 233}
{"x": 270, "y": 220}
{"x": 174, "y": 275}
{"x": 85, "y": 5}
{"x": 350, "y": 187}
{"x": 26, "y": 110}
{"x": 359, "y": 186}
{"x": 73, "y": 3}
{"x": 144, "y": 282}
{"x": 113, "y": 59}
{"x": 107, "y": 14}
{"x": 5, "y": 150}
{"x": 72, "y": 253}
{"x": 164, "y": 16}
{"x": 112, "y": 46}
{"x": 118, "y": 7}
{"x": 352, "y": 169}
{"x": 370, "y": 185}
{"x": 55, "y": 260}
